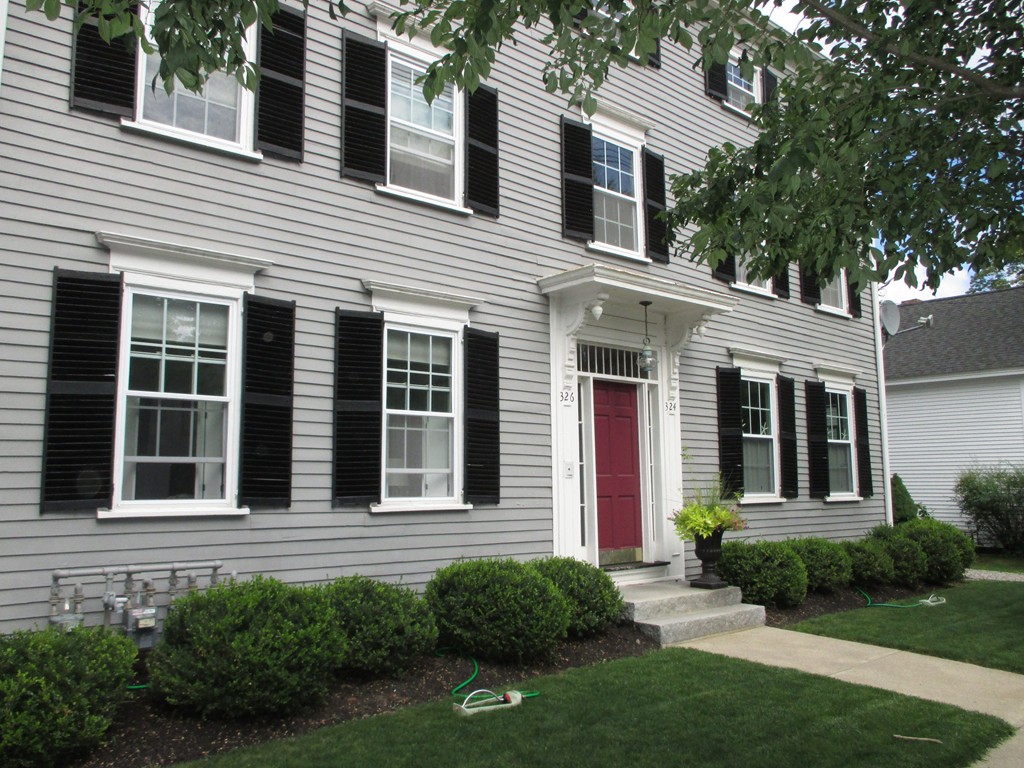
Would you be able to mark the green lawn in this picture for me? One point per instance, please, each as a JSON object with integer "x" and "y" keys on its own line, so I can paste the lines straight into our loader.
{"x": 988, "y": 561}
{"x": 980, "y": 623}
{"x": 674, "y": 707}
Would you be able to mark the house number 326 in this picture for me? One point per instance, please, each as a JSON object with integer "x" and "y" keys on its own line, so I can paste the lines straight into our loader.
{"x": 567, "y": 397}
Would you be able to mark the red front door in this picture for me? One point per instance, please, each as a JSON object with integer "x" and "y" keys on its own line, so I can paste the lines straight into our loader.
{"x": 617, "y": 465}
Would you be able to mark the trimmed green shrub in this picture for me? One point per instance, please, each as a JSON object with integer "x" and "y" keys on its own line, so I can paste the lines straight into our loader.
{"x": 904, "y": 507}
{"x": 769, "y": 573}
{"x": 993, "y": 499}
{"x": 908, "y": 559}
{"x": 948, "y": 550}
{"x": 872, "y": 565}
{"x": 827, "y": 563}
{"x": 501, "y": 610}
{"x": 245, "y": 649}
{"x": 59, "y": 692}
{"x": 594, "y": 600}
{"x": 387, "y": 626}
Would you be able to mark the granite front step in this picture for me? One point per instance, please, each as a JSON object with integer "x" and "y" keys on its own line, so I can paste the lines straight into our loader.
{"x": 668, "y": 630}
{"x": 668, "y": 598}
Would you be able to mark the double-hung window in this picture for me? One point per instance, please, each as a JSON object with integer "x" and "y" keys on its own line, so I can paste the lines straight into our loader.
{"x": 745, "y": 278}
{"x": 735, "y": 272}
{"x": 420, "y": 430}
{"x": 838, "y": 296}
{"x": 155, "y": 404}
{"x": 613, "y": 187}
{"x": 757, "y": 416}
{"x": 423, "y": 146}
{"x": 757, "y": 428}
{"x": 416, "y": 404}
{"x": 833, "y": 293}
{"x": 728, "y": 84}
{"x": 443, "y": 152}
{"x": 180, "y": 398}
{"x": 741, "y": 91}
{"x": 122, "y": 81}
{"x": 838, "y": 443}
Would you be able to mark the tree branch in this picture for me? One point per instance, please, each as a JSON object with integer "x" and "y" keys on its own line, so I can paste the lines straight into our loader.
{"x": 984, "y": 84}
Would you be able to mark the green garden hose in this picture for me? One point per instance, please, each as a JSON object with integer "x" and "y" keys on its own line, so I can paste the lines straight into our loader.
{"x": 927, "y": 602}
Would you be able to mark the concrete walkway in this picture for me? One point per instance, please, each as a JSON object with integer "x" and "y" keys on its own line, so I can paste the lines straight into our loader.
{"x": 951, "y": 682}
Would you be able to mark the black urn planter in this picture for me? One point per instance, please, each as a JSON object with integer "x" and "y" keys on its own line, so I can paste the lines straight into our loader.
{"x": 709, "y": 550}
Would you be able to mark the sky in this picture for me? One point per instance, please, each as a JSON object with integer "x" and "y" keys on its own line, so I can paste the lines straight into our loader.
{"x": 953, "y": 284}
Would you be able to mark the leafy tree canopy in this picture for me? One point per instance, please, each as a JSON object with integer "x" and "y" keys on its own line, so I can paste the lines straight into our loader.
{"x": 904, "y": 146}
{"x": 1010, "y": 276}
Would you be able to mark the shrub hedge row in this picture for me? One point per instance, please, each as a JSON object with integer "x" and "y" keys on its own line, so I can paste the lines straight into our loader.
{"x": 919, "y": 551}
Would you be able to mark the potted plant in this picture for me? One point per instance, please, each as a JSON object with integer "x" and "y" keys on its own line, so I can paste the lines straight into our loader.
{"x": 703, "y": 520}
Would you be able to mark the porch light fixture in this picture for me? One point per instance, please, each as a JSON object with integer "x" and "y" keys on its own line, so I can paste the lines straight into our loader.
{"x": 647, "y": 361}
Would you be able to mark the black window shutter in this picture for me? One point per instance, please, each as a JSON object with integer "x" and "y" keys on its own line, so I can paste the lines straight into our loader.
{"x": 280, "y": 101}
{"x": 726, "y": 270}
{"x": 769, "y": 84}
{"x": 81, "y": 391}
{"x": 654, "y": 59}
{"x": 482, "y": 453}
{"x": 730, "y": 431}
{"x": 853, "y": 300}
{"x": 482, "y": 150}
{"x": 715, "y": 83}
{"x": 787, "y": 438}
{"x": 364, "y": 102}
{"x": 265, "y": 468}
{"x": 358, "y": 381}
{"x": 577, "y": 181}
{"x": 817, "y": 439}
{"x": 865, "y": 486}
{"x": 810, "y": 291}
{"x": 654, "y": 204}
{"x": 103, "y": 76}
{"x": 780, "y": 283}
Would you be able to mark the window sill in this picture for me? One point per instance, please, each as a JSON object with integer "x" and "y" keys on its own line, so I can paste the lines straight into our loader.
{"x": 746, "y": 288}
{"x": 190, "y": 139}
{"x": 417, "y": 197}
{"x": 416, "y": 505}
{"x": 750, "y": 500}
{"x": 825, "y": 308}
{"x": 611, "y": 250}
{"x": 841, "y": 497}
{"x": 736, "y": 110}
{"x": 170, "y": 509}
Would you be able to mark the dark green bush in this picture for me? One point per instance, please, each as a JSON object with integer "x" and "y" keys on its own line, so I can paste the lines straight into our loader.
{"x": 246, "y": 649}
{"x": 904, "y": 507}
{"x": 387, "y": 626}
{"x": 594, "y": 600}
{"x": 59, "y": 692}
{"x": 502, "y": 610}
{"x": 827, "y": 563}
{"x": 768, "y": 572}
{"x": 993, "y": 499}
{"x": 872, "y": 565}
{"x": 908, "y": 559}
{"x": 948, "y": 550}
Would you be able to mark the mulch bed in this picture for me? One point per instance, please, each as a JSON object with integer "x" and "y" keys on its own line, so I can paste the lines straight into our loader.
{"x": 146, "y": 734}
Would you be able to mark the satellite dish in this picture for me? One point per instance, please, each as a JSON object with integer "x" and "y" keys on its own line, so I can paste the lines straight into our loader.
{"x": 890, "y": 313}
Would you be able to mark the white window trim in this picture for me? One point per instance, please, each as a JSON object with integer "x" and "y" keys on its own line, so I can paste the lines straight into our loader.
{"x": 758, "y": 93}
{"x": 763, "y": 366}
{"x": 422, "y": 310}
{"x": 844, "y": 310}
{"x": 246, "y": 108}
{"x": 841, "y": 380}
{"x": 167, "y": 269}
{"x": 417, "y": 52}
{"x": 628, "y": 130}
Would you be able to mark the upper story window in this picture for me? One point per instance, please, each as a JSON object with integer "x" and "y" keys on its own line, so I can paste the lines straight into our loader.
{"x": 744, "y": 277}
{"x": 741, "y": 91}
{"x": 423, "y": 144}
{"x": 443, "y": 153}
{"x": 833, "y": 293}
{"x": 119, "y": 81}
{"x": 616, "y": 205}
{"x": 613, "y": 187}
{"x": 735, "y": 272}
{"x": 838, "y": 296}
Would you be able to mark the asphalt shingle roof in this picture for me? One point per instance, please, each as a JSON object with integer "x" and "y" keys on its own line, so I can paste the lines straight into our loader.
{"x": 973, "y": 333}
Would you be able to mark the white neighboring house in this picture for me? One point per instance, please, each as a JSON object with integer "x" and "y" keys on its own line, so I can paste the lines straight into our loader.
{"x": 955, "y": 389}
